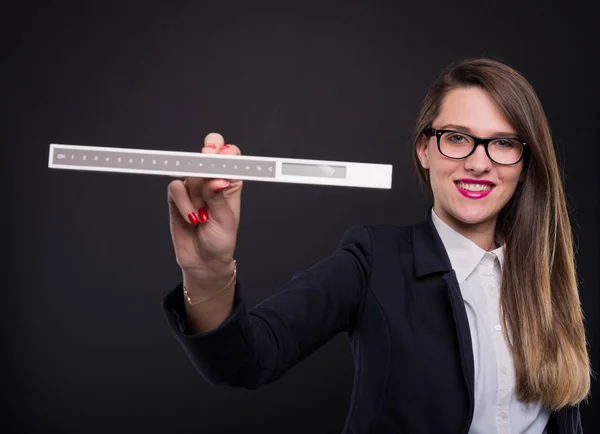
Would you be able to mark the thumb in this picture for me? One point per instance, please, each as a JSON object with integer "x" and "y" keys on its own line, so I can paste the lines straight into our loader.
{"x": 222, "y": 202}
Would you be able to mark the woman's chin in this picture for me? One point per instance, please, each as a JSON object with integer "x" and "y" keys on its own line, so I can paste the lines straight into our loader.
{"x": 474, "y": 215}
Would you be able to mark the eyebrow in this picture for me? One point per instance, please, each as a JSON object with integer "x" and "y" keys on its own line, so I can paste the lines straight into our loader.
{"x": 468, "y": 130}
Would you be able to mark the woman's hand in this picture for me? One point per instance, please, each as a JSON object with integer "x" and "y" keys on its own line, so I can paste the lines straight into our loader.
{"x": 204, "y": 217}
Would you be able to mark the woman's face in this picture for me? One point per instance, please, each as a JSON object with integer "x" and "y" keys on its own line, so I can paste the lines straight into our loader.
{"x": 469, "y": 110}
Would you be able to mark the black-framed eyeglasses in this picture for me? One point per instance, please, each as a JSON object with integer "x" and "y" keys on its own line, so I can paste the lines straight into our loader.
{"x": 458, "y": 145}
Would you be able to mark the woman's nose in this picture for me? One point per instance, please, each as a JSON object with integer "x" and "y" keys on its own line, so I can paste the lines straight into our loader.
{"x": 478, "y": 161}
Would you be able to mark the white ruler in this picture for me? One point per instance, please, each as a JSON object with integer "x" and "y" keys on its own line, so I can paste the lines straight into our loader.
{"x": 244, "y": 167}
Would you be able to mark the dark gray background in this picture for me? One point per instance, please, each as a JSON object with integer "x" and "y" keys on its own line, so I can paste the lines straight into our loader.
{"x": 88, "y": 256}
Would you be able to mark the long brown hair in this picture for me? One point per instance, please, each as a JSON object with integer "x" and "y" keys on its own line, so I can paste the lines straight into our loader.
{"x": 539, "y": 296}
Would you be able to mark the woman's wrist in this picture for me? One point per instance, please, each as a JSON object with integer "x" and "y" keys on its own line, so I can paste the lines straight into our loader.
{"x": 202, "y": 285}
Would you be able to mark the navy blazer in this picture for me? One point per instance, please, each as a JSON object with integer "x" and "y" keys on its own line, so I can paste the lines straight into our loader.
{"x": 393, "y": 291}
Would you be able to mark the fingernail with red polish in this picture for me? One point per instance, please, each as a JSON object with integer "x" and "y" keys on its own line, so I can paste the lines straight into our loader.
{"x": 224, "y": 146}
{"x": 210, "y": 145}
{"x": 203, "y": 215}
{"x": 193, "y": 218}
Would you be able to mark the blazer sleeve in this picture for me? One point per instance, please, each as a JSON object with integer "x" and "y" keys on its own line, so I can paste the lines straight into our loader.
{"x": 256, "y": 346}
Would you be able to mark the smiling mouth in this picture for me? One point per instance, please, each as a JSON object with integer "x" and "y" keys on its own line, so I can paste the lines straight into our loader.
{"x": 474, "y": 187}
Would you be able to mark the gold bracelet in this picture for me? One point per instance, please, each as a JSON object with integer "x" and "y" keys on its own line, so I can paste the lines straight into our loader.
{"x": 189, "y": 300}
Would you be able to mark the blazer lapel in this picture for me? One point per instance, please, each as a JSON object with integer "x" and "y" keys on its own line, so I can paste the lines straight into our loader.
{"x": 463, "y": 334}
{"x": 430, "y": 257}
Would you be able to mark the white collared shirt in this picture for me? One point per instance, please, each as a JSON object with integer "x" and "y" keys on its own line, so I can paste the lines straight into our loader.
{"x": 478, "y": 272}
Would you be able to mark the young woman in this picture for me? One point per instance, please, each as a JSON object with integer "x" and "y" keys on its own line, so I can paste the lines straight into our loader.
{"x": 466, "y": 322}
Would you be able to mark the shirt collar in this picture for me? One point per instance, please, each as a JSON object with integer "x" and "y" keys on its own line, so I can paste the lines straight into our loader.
{"x": 463, "y": 253}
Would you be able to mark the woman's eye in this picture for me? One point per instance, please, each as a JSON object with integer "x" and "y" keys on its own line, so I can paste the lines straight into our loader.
{"x": 504, "y": 143}
{"x": 457, "y": 138}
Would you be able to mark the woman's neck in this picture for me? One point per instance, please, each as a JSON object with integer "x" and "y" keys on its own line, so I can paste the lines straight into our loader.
{"x": 482, "y": 234}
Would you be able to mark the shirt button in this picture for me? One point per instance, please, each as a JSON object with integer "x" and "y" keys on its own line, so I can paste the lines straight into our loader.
{"x": 503, "y": 415}
{"x": 498, "y": 327}
{"x": 503, "y": 370}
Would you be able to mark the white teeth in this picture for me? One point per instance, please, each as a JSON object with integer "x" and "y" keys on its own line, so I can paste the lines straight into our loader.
{"x": 474, "y": 187}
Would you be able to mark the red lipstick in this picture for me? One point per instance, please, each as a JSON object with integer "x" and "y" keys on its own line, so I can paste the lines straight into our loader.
{"x": 474, "y": 188}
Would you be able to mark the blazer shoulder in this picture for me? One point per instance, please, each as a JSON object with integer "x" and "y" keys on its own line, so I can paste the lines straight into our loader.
{"x": 382, "y": 234}
{"x": 370, "y": 237}
{"x": 378, "y": 240}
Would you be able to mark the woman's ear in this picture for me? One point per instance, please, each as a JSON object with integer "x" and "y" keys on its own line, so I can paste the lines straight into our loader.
{"x": 422, "y": 152}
